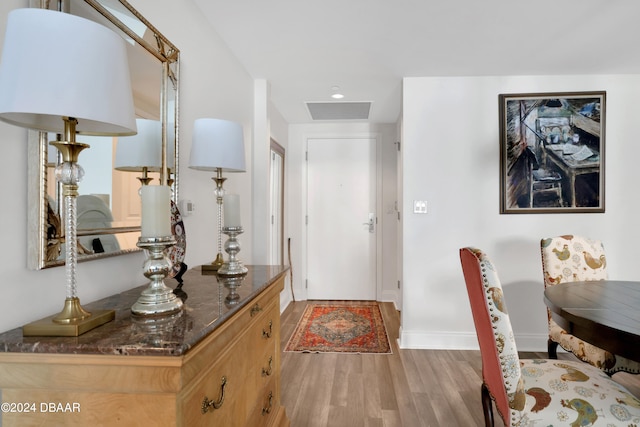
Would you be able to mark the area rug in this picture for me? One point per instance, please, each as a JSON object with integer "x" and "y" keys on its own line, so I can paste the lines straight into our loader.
{"x": 340, "y": 328}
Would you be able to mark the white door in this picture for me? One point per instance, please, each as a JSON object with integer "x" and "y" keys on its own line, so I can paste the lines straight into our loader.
{"x": 341, "y": 219}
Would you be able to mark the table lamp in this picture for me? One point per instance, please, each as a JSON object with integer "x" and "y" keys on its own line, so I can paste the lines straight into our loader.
{"x": 65, "y": 74}
{"x": 143, "y": 152}
{"x": 218, "y": 145}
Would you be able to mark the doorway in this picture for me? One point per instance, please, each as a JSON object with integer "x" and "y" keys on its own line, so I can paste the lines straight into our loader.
{"x": 341, "y": 219}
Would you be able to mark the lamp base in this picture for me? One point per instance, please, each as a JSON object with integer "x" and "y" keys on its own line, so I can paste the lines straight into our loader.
{"x": 49, "y": 327}
{"x": 215, "y": 265}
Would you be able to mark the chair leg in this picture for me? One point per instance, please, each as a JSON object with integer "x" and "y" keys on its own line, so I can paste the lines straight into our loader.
{"x": 552, "y": 348}
{"x": 487, "y": 406}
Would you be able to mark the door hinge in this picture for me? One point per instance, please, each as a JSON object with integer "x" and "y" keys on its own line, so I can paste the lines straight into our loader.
{"x": 398, "y": 284}
{"x": 306, "y": 283}
{"x": 306, "y": 156}
{"x": 398, "y": 145}
{"x": 306, "y": 220}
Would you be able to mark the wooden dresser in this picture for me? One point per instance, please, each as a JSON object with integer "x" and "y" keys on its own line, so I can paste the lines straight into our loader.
{"x": 214, "y": 364}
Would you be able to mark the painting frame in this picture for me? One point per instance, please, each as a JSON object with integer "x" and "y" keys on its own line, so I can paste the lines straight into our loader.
{"x": 552, "y": 152}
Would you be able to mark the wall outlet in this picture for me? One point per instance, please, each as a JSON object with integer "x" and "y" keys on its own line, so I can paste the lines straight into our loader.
{"x": 420, "y": 206}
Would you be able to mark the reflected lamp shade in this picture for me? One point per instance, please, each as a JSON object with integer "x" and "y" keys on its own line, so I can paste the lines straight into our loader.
{"x": 143, "y": 150}
{"x": 58, "y": 65}
{"x": 217, "y": 145}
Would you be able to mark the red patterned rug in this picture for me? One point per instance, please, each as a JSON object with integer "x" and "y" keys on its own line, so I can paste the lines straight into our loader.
{"x": 340, "y": 328}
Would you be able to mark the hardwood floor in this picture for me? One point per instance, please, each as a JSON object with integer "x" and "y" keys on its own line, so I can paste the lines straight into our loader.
{"x": 409, "y": 388}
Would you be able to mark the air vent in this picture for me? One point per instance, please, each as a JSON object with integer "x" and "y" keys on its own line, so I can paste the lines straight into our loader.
{"x": 339, "y": 110}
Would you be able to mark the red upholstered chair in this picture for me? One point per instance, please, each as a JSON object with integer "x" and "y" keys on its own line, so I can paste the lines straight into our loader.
{"x": 578, "y": 259}
{"x": 535, "y": 392}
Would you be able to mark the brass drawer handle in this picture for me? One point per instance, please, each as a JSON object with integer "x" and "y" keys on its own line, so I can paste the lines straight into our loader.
{"x": 212, "y": 404}
{"x": 265, "y": 334}
{"x": 267, "y": 371}
{"x": 267, "y": 410}
{"x": 255, "y": 309}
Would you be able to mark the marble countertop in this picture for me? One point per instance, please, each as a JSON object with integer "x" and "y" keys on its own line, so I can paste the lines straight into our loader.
{"x": 204, "y": 311}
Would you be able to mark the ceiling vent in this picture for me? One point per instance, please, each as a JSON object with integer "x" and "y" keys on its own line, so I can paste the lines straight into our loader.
{"x": 339, "y": 110}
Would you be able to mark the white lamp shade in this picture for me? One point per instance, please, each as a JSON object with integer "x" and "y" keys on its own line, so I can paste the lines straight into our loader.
{"x": 143, "y": 150}
{"x": 58, "y": 65}
{"x": 217, "y": 144}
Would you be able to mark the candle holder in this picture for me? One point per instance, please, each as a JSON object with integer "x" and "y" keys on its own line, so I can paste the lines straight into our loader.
{"x": 157, "y": 298}
{"x": 233, "y": 266}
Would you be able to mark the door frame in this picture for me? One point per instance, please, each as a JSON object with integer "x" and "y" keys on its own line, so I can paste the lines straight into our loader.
{"x": 377, "y": 136}
{"x": 277, "y": 149}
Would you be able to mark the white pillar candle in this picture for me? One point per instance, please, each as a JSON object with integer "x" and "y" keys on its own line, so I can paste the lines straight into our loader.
{"x": 231, "y": 203}
{"x": 156, "y": 211}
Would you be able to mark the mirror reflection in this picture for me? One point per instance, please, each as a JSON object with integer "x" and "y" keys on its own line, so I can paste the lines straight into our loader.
{"x": 109, "y": 208}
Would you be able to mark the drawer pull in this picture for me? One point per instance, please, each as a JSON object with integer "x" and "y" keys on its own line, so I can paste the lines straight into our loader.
{"x": 212, "y": 404}
{"x": 267, "y": 410}
{"x": 267, "y": 371}
{"x": 265, "y": 334}
{"x": 255, "y": 309}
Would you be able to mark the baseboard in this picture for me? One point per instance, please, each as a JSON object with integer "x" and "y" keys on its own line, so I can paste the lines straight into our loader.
{"x": 389, "y": 296}
{"x": 285, "y": 300}
{"x": 443, "y": 340}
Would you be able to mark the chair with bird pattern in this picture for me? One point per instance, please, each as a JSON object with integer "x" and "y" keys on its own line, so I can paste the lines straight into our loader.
{"x": 572, "y": 258}
{"x": 535, "y": 392}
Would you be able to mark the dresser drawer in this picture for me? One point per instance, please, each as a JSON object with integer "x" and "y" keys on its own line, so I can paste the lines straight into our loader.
{"x": 264, "y": 329}
{"x": 266, "y": 406}
{"x": 218, "y": 396}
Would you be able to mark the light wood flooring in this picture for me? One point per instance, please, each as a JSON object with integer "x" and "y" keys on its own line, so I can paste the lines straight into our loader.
{"x": 409, "y": 388}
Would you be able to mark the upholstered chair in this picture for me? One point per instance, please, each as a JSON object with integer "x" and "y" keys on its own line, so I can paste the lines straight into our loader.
{"x": 535, "y": 392}
{"x": 578, "y": 259}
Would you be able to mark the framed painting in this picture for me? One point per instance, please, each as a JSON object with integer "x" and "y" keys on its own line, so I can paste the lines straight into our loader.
{"x": 552, "y": 152}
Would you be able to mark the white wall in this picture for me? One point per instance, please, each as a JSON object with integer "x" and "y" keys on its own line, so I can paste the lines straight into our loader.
{"x": 296, "y": 194}
{"x": 213, "y": 84}
{"x": 260, "y": 187}
{"x": 450, "y": 159}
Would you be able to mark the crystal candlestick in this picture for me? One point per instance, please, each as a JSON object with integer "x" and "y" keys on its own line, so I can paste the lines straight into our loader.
{"x": 233, "y": 266}
{"x": 157, "y": 298}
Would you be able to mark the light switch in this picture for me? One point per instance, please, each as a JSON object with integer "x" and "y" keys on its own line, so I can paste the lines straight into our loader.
{"x": 420, "y": 206}
{"x": 186, "y": 207}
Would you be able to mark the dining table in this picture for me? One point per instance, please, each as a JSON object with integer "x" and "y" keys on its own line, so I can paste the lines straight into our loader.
{"x": 605, "y": 313}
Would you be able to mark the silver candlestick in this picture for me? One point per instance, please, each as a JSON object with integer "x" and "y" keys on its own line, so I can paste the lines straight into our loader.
{"x": 233, "y": 266}
{"x": 157, "y": 298}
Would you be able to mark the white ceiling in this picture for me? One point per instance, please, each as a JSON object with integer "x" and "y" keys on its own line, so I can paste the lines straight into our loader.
{"x": 366, "y": 47}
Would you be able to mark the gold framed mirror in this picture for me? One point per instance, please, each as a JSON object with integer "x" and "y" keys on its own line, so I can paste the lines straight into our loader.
{"x": 108, "y": 204}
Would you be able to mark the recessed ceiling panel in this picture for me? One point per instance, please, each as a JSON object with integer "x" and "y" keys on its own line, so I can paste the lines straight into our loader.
{"x": 339, "y": 110}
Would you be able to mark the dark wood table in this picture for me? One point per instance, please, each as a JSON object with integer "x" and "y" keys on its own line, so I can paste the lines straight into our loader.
{"x": 605, "y": 313}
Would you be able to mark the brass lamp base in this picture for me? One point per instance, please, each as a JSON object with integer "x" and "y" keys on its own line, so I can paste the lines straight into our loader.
{"x": 215, "y": 265}
{"x": 72, "y": 321}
